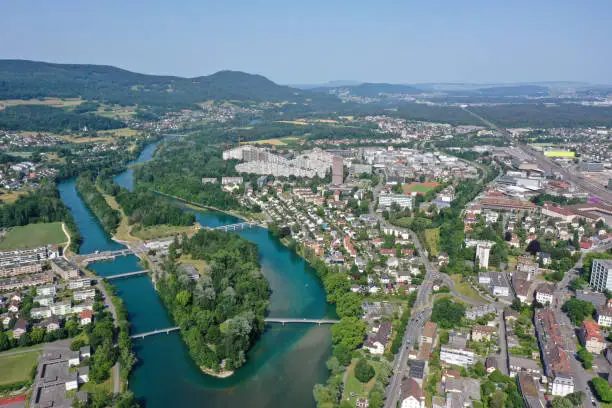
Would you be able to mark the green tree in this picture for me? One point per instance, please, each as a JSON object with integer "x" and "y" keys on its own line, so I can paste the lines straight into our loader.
{"x": 350, "y": 332}
{"x": 578, "y": 310}
{"x": 446, "y": 313}
{"x": 364, "y": 371}
{"x": 343, "y": 354}
{"x": 561, "y": 403}
{"x": 5, "y": 344}
{"x": 349, "y": 305}
{"x": 602, "y": 389}
{"x": 576, "y": 397}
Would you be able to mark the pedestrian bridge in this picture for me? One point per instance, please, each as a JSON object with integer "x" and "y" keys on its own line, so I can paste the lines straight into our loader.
{"x": 126, "y": 275}
{"x": 280, "y": 320}
{"x": 154, "y": 332}
{"x": 285, "y": 321}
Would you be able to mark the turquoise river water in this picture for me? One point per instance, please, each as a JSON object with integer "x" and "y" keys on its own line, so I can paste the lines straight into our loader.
{"x": 282, "y": 367}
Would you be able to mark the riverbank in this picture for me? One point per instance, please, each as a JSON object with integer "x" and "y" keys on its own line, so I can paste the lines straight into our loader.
{"x": 199, "y": 206}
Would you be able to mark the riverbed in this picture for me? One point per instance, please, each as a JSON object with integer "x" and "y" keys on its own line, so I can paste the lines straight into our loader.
{"x": 282, "y": 367}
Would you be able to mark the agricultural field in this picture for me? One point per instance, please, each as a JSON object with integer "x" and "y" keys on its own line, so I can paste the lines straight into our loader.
{"x": 432, "y": 240}
{"x": 420, "y": 188}
{"x": 116, "y": 111}
{"x": 53, "y": 102}
{"x": 33, "y": 236}
{"x": 285, "y": 141}
{"x": 17, "y": 367}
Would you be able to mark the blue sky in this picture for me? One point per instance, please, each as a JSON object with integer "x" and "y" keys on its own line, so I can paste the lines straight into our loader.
{"x": 314, "y": 41}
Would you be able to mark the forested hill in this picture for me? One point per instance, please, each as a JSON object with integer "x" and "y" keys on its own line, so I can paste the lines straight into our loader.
{"x": 20, "y": 79}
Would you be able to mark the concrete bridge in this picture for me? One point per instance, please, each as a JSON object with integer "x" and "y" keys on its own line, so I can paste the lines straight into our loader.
{"x": 101, "y": 256}
{"x": 126, "y": 275}
{"x": 285, "y": 321}
{"x": 234, "y": 227}
{"x": 154, "y": 332}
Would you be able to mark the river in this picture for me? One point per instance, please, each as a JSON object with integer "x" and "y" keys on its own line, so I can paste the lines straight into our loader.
{"x": 282, "y": 367}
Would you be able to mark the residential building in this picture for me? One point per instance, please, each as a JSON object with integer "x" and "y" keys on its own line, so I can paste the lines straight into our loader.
{"x": 591, "y": 337}
{"x": 499, "y": 285}
{"x": 50, "y": 290}
{"x": 596, "y": 298}
{"x": 530, "y": 391}
{"x": 64, "y": 269}
{"x": 603, "y": 314}
{"x": 61, "y": 308}
{"x": 545, "y": 294}
{"x": 480, "y": 333}
{"x": 86, "y": 317}
{"x": 457, "y": 356}
{"x": 554, "y": 357}
{"x": 20, "y": 328}
{"x": 518, "y": 365}
{"x": 79, "y": 283}
{"x": 601, "y": 274}
{"x": 337, "y": 170}
{"x": 483, "y": 250}
{"x": 412, "y": 394}
{"x": 477, "y": 312}
{"x": 417, "y": 371}
{"x": 377, "y": 343}
{"x": 80, "y": 295}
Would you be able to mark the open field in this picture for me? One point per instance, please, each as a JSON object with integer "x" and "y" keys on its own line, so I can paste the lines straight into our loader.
{"x": 432, "y": 240}
{"x": 33, "y": 236}
{"x": 123, "y": 132}
{"x": 277, "y": 142}
{"x": 199, "y": 264}
{"x": 54, "y": 102}
{"x": 77, "y": 140}
{"x": 420, "y": 188}
{"x": 116, "y": 111}
{"x": 10, "y": 198}
{"x": 160, "y": 231}
{"x": 17, "y": 367}
{"x": 466, "y": 289}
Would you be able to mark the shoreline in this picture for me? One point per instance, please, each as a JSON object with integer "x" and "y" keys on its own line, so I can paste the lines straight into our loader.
{"x": 213, "y": 373}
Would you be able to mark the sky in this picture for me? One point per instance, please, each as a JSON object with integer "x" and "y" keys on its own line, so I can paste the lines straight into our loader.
{"x": 315, "y": 41}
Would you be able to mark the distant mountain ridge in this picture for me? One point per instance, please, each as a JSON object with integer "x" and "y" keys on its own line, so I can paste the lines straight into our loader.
{"x": 22, "y": 79}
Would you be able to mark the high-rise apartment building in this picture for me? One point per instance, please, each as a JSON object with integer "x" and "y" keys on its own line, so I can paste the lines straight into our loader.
{"x": 601, "y": 274}
{"x": 337, "y": 170}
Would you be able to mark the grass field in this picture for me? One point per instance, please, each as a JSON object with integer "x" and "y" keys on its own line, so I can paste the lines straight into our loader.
{"x": 54, "y": 102}
{"x": 353, "y": 385}
{"x": 17, "y": 367}
{"x": 160, "y": 231}
{"x": 199, "y": 264}
{"x": 432, "y": 240}
{"x": 285, "y": 141}
{"x": 92, "y": 387}
{"x": 466, "y": 289}
{"x": 10, "y": 198}
{"x": 123, "y": 132}
{"x": 420, "y": 188}
{"x": 33, "y": 236}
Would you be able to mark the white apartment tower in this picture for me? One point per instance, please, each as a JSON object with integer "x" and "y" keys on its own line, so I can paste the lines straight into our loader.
{"x": 601, "y": 274}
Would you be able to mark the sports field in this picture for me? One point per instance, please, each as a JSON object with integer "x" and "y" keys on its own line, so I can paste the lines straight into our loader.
{"x": 33, "y": 236}
{"x": 420, "y": 188}
{"x": 17, "y": 367}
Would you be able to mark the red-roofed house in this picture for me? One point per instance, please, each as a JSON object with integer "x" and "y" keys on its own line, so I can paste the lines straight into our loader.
{"x": 412, "y": 394}
{"x": 591, "y": 337}
{"x": 86, "y": 317}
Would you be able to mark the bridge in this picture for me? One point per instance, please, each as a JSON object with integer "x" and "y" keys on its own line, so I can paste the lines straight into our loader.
{"x": 234, "y": 227}
{"x": 102, "y": 256}
{"x": 285, "y": 321}
{"x": 155, "y": 332}
{"x": 126, "y": 275}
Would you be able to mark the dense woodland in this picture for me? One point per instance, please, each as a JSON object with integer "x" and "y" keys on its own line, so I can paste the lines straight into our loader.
{"x": 30, "y": 79}
{"x": 221, "y": 313}
{"x": 178, "y": 170}
{"x": 42, "y": 205}
{"x": 40, "y": 118}
{"x": 108, "y": 217}
{"x": 147, "y": 209}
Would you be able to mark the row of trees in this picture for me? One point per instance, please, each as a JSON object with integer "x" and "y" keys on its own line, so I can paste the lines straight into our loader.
{"x": 222, "y": 312}
{"x": 147, "y": 209}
